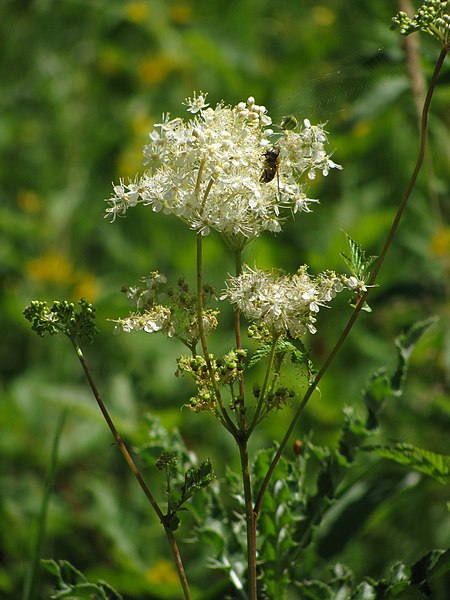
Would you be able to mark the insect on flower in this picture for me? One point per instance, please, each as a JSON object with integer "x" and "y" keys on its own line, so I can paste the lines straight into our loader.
{"x": 271, "y": 165}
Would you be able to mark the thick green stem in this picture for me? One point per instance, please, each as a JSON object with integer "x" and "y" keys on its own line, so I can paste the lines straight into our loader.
{"x": 223, "y": 414}
{"x": 373, "y": 277}
{"x": 134, "y": 469}
{"x": 238, "y": 336}
{"x": 264, "y": 388}
{"x": 250, "y": 519}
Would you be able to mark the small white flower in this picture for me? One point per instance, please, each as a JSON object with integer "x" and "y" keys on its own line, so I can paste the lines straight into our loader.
{"x": 197, "y": 103}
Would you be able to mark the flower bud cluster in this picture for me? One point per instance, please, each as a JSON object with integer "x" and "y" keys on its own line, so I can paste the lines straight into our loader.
{"x": 166, "y": 460}
{"x": 278, "y": 399}
{"x": 431, "y": 17}
{"x": 207, "y": 170}
{"x": 63, "y": 317}
{"x": 224, "y": 371}
{"x": 286, "y": 304}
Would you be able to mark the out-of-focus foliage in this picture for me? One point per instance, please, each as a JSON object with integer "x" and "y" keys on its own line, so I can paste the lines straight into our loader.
{"x": 82, "y": 83}
{"x": 312, "y": 503}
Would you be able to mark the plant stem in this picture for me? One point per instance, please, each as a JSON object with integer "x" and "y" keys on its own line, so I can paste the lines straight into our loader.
{"x": 250, "y": 519}
{"x": 238, "y": 336}
{"x": 224, "y": 416}
{"x": 262, "y": 396}
{"x": 134, "y": 469}
{"x": 372, "y": 279}
{"x": 30, "y": 586}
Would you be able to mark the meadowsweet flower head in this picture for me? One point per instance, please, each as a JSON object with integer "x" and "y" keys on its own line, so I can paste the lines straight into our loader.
{"x": 285, "y": 304}
{"x": 207, "y": 170}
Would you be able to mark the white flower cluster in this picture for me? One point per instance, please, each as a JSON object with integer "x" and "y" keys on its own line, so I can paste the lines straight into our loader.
{"x": 158, "y": 318}
{"x": 164, "y": 319}
{"x": 286, "y": 304}
{"x": 207, "y": 171}
{"x": 177, "y": 317}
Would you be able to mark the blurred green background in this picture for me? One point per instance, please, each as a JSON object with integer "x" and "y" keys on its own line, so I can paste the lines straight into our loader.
{"x": 82, "y": 83}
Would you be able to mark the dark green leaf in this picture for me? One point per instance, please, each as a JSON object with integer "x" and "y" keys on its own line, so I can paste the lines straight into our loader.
{"x": 196, "y": 478}
{"x": 425, "y": 461}
{"x": 377, "y": 391}
{"x": 73, "y": 585}
{"x": 405, "y": 343}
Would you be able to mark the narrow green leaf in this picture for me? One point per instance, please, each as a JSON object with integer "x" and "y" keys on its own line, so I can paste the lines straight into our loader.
{"x": 375, "y": 395}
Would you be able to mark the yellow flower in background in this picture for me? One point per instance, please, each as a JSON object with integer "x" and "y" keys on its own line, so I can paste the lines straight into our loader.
{"x": 323, "y": 16}
{"x": 155, "y": 69}
{"x": 29, "y": 201}
{"x": 52, "y": 267}
{"x": 137, "y": 12}
{"x": 362, "y": 128}
{"x": 440, "y": 242}
{"x": 87, "y": 287}
{"x": 181, "y": 13}
{"x": 55, "y": 268}
{"x": 162, "y": 572}
{"x": 130, "y": 159}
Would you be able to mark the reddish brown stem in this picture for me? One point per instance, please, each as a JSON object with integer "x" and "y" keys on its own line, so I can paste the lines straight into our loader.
{"x": 373, "y": 277}
{"x": 134, "y": 469}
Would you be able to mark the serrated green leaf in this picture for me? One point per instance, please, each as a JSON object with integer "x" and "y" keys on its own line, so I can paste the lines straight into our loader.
{"x": 399, "y": 578}
{"x": 381, "y": 386}
{"x": 353, "y": 433}
{"x": 315, "y": 590}
{"x": 282, "y": 346}
{"x": 259, "y": 354}
{"x": 197, "y": 478}
{"x": 425, "y": 461}
{"x": 356, "y": 259}
{"x": 73, "y": 585}
{"x": 51, "y": 566}
{"x": 364, "y": 591}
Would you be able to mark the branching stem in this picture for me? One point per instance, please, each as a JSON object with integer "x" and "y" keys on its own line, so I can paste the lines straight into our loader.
{"x": 264, "y": 388}
{"x": 238, "y": 336}
{"x": 224, "y": 416}
{"x": 134, "y": 469}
